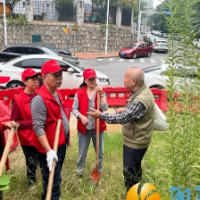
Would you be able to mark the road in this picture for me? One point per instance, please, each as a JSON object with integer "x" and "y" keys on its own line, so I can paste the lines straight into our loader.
{"x": 116, "y": 67}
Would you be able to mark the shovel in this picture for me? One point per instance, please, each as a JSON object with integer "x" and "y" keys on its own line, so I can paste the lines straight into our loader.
{"x": 51, "y": 174}
{"x": 95, "y": 173}
{"x": 4, "y": 180}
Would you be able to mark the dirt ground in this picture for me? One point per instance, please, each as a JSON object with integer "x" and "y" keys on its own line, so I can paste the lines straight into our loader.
{"x": 111, "y": 128}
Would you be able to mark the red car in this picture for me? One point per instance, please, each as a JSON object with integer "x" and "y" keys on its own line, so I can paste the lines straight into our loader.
{"x": 136, "y": 50}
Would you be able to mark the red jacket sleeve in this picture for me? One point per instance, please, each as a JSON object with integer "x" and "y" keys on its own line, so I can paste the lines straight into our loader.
{"x": 16, "y": 116}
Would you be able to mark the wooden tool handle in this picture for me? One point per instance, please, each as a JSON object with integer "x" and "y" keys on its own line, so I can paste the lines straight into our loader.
{"x": 55, "y": 148}
{"x": 7, "y": 149}
{"x": 97, "y": 133}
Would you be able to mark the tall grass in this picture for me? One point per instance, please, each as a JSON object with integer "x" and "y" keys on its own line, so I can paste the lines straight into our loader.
{"x": 182, "y": 138}
{"x": 111, "y": 183}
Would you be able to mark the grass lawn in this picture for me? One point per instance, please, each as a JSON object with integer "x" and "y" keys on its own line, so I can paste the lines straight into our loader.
{"x": 111, "y": 184}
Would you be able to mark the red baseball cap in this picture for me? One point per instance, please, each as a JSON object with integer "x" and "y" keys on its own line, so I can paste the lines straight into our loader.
{"x": 89, "y": 73}
{"x": 52, "y": 67}
{"x": 28, "y": 73}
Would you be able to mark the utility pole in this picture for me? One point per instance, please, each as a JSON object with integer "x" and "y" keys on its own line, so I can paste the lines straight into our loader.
{"x": 5, "y": 23}
{"x": 106, "y": 45}
{"x": 139, "y": 23}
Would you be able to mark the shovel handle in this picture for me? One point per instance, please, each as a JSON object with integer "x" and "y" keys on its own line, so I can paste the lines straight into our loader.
{"x": 97, "y": 133}
{"x": 7, "y": 149}
{"x": 51, "y": 174}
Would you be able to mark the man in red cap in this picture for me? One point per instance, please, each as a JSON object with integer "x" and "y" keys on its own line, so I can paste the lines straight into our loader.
{"x": 46, "y": 109}
{"x": 21, "y": 113}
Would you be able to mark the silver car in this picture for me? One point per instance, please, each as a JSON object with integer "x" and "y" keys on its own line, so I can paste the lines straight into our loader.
{"x": 11, "y": 71}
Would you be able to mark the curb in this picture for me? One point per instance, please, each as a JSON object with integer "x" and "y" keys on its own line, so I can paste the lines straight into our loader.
{"x": 93, "y": 56}
{"x": 97, "y": 57}
{"x": 107, "y": 56}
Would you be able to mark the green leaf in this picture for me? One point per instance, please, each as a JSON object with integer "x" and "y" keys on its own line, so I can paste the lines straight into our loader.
{"x": 4, "y": 187}
{"x": 4, "y": 180}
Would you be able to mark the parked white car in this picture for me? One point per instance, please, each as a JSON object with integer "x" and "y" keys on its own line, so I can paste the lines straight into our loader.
{"x": 165, "y": 35}
{"x": 160, "y": 33}
{"x": 156, "y": 76}
{"x": 160, "y": 45}
{"x": 10, "y": 72}
{"x": 156, "y": 33}
{"x": 196, "y": 42}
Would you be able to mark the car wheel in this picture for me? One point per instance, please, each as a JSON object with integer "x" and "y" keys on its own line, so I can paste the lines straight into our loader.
{"x": 134, "y": 56}
{"x": 157, "y": 86}
{"x": 15, "y": 84}
{"x": 149, "y": 54}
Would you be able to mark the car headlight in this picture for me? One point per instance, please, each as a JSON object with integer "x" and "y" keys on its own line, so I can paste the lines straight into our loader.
{"x": 103, "y": 79}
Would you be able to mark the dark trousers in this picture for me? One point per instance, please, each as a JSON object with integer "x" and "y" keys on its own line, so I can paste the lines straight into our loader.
{"x": 31, "y": 155}
{"x": 57, "y": 177}
{"x": 132, "y": 165}
{"x": 1, "y": 195}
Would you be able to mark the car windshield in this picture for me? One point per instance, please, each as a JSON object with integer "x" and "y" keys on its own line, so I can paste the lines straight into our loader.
{"x": 50, "y": 51}
{"x": 132, "y": 46}
{"x": 73, "y": 64}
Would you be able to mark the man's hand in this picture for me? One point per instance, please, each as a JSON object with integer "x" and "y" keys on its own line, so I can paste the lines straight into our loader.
{"x": 51, "y": 155}
{"x": 95, "y": 113}
{"x": 10, "y": 124}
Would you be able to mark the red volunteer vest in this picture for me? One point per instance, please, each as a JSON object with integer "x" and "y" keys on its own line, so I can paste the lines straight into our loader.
{"x": 27, "y": 137}
{"x": 83, "y": 108}
{"x": 53, "y": 114}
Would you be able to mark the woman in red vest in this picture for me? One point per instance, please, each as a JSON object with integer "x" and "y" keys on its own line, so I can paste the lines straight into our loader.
{"x": 21, "y": 113}
{"x": 86, "y": 98}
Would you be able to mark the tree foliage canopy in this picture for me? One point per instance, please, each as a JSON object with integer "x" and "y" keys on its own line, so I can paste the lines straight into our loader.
{"x": 130, "y": 4}
{"x": 158, "y": 21}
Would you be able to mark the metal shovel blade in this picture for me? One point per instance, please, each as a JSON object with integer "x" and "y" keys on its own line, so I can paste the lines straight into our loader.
{"x": 95, "y": 175}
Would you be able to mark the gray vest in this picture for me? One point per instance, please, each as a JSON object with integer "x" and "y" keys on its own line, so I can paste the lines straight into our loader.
{"x": 137, "y": 133}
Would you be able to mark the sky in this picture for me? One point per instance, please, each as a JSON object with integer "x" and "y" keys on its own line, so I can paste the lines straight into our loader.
{"x": 156, "y": 2}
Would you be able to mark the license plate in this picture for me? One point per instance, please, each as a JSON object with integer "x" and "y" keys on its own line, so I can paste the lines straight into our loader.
{"x": 122, "y": 53}
{"x": 161, "y": 45}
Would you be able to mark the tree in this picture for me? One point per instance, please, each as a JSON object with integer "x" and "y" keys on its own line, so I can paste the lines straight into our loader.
{"x": 158, "y": 20}
{"x": 129, "y": 4}
{"x": 11, "y": 4}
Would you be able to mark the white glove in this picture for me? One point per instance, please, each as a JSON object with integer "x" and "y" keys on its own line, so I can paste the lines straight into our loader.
{"x": 51, "y": 155}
